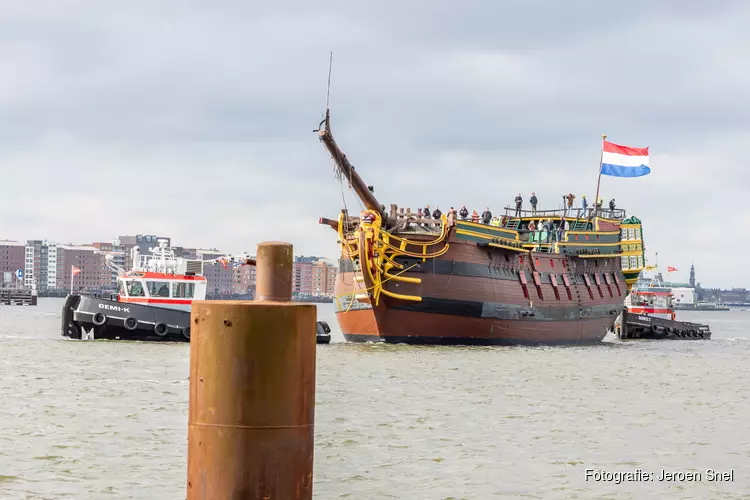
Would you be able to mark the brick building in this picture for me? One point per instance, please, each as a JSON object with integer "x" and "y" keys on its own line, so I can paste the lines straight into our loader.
{"x": 48, "y": 266}
{"x": 94, "y": 275}
{"x": 244, "y": 280}
{"x": 313, "y": 276}
{"x": 12, "y": 258}
{"x": 323, "y": 277}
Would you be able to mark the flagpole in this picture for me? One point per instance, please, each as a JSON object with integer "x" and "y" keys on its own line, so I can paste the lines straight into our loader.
{"x": 71, "y": 278}
{"x": 599, "y": 180}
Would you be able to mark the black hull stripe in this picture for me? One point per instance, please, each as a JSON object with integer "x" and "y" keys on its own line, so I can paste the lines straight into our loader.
{"x": 494, "y": 310}
{"x": 464, "y": 341}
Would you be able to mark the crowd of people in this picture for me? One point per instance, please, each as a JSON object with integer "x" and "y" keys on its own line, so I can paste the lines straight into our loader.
{"x": 486, "y": 216}
{"x": 541, "y": 230}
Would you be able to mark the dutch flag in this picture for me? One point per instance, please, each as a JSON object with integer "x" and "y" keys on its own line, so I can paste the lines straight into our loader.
{"x": 624, "y": 161}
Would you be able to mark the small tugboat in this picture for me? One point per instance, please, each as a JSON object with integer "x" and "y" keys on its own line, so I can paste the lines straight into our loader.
{"x": 153, "y": 302}
{"x": 649, "y": 314}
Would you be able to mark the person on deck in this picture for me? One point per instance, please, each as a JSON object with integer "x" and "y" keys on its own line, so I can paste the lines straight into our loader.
{"x": 519, "y": 204}
{"x": 584, "y": 205}
{"x": 451, "y": 216}
{"x": 612, "y": 207}
{"x": 549, "y": 228}
{"x": 570, "y": 199}
{"x": 426, "y": 212}
{"x": 474, "y": 216}
{"x": 486, "y": 215}
{"x": 533, "y": 200}
{"x": 532, "y": 230}
{"x": 436, "y": 213}
{"x": 464, "y": 213}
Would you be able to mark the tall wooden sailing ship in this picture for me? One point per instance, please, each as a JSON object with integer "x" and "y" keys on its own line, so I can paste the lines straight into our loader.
{"x": 427, "y": 281}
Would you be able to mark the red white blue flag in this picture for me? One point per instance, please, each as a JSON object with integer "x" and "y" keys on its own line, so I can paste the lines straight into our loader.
{"x": 624, "y": 161}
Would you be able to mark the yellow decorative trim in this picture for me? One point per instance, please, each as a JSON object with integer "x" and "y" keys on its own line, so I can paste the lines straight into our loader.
{"x": 484, "y": 236}
{"x": 580, "y": 244}
{"x": 516, "y": 249}
{"x": 377, "y": 250}
{"x": 510, "y": 232}
{"x": 592, "y": 232}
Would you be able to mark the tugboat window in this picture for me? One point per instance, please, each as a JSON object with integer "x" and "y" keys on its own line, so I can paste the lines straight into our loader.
{"x": 158, "y": 288}
{"x": 135, "y": 289}
{"x": 183, "y": 290}
{"x": 123, "y": 289}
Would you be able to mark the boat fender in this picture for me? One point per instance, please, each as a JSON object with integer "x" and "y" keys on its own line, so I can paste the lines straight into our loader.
{"x": 130, "y": 323}
{"x": 668, "y": 329}
{"x": 160, "y": 329}
{"x": 99, "y": 319}
{"x": 322, "y": 325}
{"x": 186, "y": 333}
{"x": 654, "y": 328}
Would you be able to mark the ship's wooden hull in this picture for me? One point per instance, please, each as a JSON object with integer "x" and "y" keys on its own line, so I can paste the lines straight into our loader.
{"x": 475, "y": 295}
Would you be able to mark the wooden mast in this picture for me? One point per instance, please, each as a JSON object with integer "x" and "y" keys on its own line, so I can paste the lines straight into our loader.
{"x": 347, "y": 169}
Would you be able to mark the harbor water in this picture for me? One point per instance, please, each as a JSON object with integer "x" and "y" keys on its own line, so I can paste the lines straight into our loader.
{"x": 108, "y": 419}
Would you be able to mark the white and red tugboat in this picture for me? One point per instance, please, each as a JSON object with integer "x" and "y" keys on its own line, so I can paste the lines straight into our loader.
{"x": 153, "y": 301}
{"x": 649, "y": 314}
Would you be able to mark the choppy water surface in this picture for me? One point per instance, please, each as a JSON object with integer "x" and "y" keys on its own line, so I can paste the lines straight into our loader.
{"x": 89, "y": 420}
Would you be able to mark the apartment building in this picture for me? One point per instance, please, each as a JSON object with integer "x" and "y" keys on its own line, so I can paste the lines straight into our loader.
{"x": 48, "y": 266}
{"x": 218, "y": 278}
{"x": 323, "y": 277}
{"x": 313, "y": 276}
{"x": 244, "y": 280}
{"x": 94, "y": 275}
{"x": 302, "y": 280}
{"x": 12, "y": 258}
{"x": 40, "y": 265}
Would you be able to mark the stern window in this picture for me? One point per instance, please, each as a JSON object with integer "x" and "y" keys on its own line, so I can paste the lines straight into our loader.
{"x": 183, "y": 290}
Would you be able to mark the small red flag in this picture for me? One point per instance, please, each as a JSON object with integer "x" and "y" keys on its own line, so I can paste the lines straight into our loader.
{"x": 75, "y": 270}
{"x": 671, "y": 269}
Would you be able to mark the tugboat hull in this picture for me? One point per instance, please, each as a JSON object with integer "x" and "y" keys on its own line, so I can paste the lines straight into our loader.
{"x": 84, "y": 316}
{"x": 641, "y": 326}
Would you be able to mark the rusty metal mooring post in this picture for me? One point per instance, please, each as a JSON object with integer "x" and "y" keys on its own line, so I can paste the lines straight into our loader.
{"x": 252, "y": 390}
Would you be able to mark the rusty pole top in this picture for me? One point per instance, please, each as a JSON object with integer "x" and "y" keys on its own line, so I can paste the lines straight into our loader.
{"x": 273, "y": 275}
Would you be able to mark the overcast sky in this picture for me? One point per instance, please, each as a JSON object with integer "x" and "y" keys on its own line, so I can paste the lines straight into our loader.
{"x": 194, "y": 119}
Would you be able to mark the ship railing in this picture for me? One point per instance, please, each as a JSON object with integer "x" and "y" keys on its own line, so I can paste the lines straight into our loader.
{"x": 606, "y": 213}
{"x": 568, "y": 213}
{"x": 147, "y": 262}
{"x": 406, "y": 219}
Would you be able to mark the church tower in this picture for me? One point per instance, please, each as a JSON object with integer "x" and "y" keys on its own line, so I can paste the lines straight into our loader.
{"x": 692, "y": 275}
